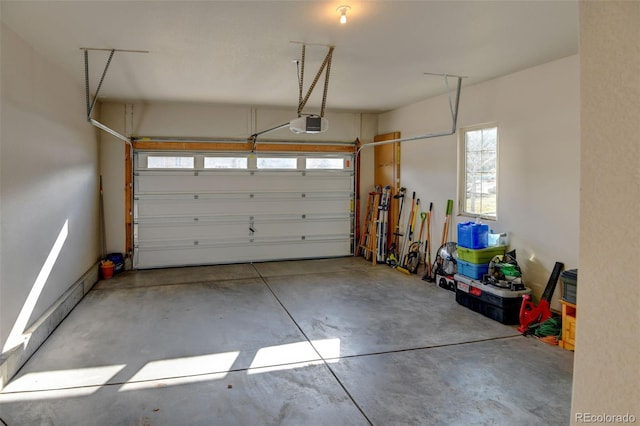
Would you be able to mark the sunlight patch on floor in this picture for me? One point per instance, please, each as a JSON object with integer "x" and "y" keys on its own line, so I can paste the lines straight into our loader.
{"x": 182, "y": 370}
{"x": 58, "y": 383}
{"x": 293, "y": 355}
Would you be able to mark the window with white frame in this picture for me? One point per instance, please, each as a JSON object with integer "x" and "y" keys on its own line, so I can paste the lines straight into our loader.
{"x": 324, "y": 163}
{"x": 225, "y": 162}
{"x": 170, "y": 162}
{"x": 478, "y": 178}
{"x": 277, "y": 163}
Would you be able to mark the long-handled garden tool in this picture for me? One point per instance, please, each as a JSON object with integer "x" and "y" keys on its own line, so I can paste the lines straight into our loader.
{"x": 447, "y": 221}
{"x": 409, "y": 243}
{"x": 427, "y": 260}
{"x": 393, "y": 255}
{"x": 413, "y": 257}
{"x": 405, "y": 239}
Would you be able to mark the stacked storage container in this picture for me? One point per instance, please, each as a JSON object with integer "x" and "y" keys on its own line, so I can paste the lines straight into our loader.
{"x": 474, "y": 256}
{"x": 569, "y": 285}
{"x": 569, "y": 309}
{"x": 474, "y": 253}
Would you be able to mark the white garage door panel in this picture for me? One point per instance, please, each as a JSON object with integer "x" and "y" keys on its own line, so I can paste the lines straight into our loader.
{"x": 306, "y": 229}
{"x": 233, "y": 182}
{"x": 198, "y": 216}
{"x": 189, "y": 232}
{"x": 200, "y": 230}
{"x": 246, "y": 241}
{"x": 147, "y": 207}
{"x": 156, "y": 258}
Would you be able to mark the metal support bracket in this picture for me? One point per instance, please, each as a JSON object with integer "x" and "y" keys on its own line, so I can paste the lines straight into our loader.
{"x": 91, "y": 104}
{"x": 302, "y": 101}
{"x": 325, "y": 64}
{"x": 254, "y": 137}
{"x": 453, "y": 108}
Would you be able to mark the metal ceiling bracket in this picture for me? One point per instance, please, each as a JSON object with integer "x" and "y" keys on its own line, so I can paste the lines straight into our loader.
{"x": 302, "y": 101}
{"x": 325, "y": 64}
{"x": 254, "y": 137}
{"x": 91, "y": 104}
{"x": 453, "y": 108}
{"x": 104, "y": 73}
{"x": 109, "y": 130}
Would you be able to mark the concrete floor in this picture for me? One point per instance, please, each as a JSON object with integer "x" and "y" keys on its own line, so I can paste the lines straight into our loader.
{"x": 315, "y": 342}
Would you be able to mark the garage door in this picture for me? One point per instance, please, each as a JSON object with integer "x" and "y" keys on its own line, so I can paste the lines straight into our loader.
{"x": 200, "y": 208}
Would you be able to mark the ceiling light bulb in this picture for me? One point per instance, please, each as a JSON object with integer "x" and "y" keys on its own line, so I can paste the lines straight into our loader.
{"x": 343, "y": 13}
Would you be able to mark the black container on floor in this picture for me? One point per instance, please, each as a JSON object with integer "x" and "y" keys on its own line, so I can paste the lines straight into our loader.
{"x": 496, "y": 303}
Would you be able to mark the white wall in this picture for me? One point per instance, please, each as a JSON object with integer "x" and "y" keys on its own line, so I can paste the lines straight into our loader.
{"x": 537, "y": 111}
{"x": 607, "y": 368}
{"x": 48, "y": 175}
{"x": 172, "y": 119}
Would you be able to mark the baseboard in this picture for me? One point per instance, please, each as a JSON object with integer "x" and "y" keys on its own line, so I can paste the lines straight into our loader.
{"x": 12, "y": 360}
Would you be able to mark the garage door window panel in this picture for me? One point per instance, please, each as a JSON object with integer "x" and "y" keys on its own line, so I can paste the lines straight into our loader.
{"x": 324, "y": 163}
{"x": 286, "y": 163}
{"x": 225, "y": 162}
{"x": 170, "y": 162}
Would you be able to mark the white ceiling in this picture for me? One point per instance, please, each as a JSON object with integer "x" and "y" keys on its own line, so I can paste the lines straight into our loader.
{"x": 241, "y": 52}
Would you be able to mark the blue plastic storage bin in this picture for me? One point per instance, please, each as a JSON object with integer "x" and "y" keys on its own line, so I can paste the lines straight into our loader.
{"x": 473, "y": 235}
{"x": 472, "y": 270}
{"x": 118, "y": 262}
